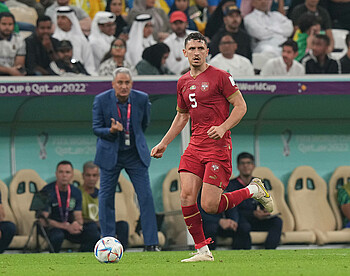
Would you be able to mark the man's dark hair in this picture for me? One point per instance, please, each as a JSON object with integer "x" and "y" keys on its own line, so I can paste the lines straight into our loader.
{"x": 43, "y": 18}
{"x": 244, "y": 155}
{"x": 290, "y": 42}
{"x": 347, "y": 40}
{"x": 195, "y": 36}
{"x": 324, "y": 37}
{"x": 64, "y": 162}
{"x": 306, "y": 21}
{"x": 7, "y": 14}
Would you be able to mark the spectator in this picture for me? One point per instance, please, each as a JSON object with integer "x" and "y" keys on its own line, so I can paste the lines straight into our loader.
{"x": 66, "y": 65}
{"x": 91, "y": 175}
{"x": 140, "y": 37}
{"x": 12, "y": 47}
{"x": 294, "y": 3}
{"x": 68, "y": 28}
{"x": 311, "y": 7}
{"x": 63, "y": 213}
{"x": 219, "y": 225}
{"x": 317, "y": 60}
{"x": 153, "y": 60}
{"x": 252, "y": 216}
{"x": 102, "y": 34}
{"x": 116, "y": 7}
{"x": 232, "y": 23}
{"x": 83, "y": 17}
{"x": 273, "y": 5}
{"x": 120, "y": 117}
{"x": 344, "y": 203}
{"x": 284, "y": 65}
{"x": 309, "y": 26}
{"x": 160, "y": 19}
{"x": 183, "y": 5}
{"x": 200, "y": 14}
{"x": 215, "y": 21}
{"x": 231, "y": 62}
{"x": 345, "y": 60}
{"x": 7, "y": 229}
{"x": 267, "y": 29}
{"x": 41, "y": 48}
{"x": 115, "y": 58}
{"x": 339, "y": 11}
{"x": 176, "y": 41}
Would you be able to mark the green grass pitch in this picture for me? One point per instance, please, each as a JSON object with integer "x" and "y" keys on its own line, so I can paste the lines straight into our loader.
{"x": 249, "y": 262}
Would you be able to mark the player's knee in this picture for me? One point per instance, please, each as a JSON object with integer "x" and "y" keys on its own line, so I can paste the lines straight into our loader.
{"x": 187, "y": 198}
{"x": 209, "y": 208}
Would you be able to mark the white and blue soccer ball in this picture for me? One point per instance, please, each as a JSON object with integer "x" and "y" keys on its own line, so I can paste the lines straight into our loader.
{"x": 108, "y": 250}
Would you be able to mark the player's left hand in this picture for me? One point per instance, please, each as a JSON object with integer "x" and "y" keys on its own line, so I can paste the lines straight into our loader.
{"x": 216, "y": 132}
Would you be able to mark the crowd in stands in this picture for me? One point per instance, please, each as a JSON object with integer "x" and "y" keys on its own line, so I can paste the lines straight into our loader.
{"x": 102, "y": 36}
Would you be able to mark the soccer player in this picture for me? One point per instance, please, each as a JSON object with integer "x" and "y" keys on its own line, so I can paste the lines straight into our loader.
{"x": 204, "y": 94}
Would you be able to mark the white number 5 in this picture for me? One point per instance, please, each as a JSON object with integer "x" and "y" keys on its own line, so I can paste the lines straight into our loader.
{"x": 193, "y": 99}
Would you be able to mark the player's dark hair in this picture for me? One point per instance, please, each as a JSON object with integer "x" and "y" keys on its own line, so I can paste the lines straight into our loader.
{"x": 7, "y": 14}
{"x": 195, "y": 36}
{"x": 324, "y": 37}
{"x": 43, "y": 18}
{"x": 347, "y": 40}
{"x": 244, "y": 155}
{"x": 291, "y": 43}
{"x": 64, "y": 162}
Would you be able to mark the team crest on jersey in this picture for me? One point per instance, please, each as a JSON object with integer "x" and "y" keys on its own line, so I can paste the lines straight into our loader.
{"x": 215, "y": 167}
{"x": 193, "y": 87}
{"x": 205, "y": 86}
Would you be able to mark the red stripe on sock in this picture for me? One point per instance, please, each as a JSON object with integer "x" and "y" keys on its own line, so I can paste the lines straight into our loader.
{"x": 193, "y": 220}
{"x": 232, "y": 199}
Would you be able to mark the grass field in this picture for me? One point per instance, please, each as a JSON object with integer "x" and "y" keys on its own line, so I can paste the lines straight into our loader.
{"x": 253, "y": 262}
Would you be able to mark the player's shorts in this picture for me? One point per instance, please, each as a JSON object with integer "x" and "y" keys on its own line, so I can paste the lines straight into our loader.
{"x": 213, "y": 168}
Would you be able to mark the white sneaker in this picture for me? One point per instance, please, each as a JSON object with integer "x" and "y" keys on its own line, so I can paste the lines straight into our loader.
{"x": 262, "y": 196}
{"x": 199, "y": 257}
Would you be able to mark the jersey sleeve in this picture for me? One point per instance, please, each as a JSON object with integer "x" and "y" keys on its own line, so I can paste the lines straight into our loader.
{"x": 181, "y": 104}
{"x": 228, "y": 86}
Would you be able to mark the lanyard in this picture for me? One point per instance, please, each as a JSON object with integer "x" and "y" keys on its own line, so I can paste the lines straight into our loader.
{"x": 127, "y": 117}
{"x": 65, "y": 218}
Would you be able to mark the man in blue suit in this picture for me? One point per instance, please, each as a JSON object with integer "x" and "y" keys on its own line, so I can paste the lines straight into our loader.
{"x": 120, "y": 117}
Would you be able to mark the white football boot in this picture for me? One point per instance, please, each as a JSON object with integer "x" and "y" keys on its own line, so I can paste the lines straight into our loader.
{"x": 262, "y": 195}
{"x": 199, "y": 257}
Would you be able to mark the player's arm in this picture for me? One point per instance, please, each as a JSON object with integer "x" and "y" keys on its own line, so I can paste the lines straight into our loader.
{"x": 177, "y": 126}
{"x": 237, "y": 113}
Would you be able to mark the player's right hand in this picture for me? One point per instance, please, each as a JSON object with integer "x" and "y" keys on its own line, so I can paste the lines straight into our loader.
{"x": 158, "y": 150}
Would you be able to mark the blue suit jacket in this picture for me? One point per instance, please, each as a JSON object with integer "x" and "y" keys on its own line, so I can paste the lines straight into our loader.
{"x": 107, "y": 147}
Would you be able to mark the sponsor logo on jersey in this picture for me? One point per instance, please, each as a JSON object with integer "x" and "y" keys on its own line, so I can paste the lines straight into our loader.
{"x": 205, "y": 86}
{"x": 193, "y": 87}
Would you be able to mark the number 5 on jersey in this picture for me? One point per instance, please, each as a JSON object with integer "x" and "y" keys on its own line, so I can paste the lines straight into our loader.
{"x": 192, "y": 98}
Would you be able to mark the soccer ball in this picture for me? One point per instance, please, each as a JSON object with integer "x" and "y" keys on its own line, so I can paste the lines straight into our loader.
{"x": 108, "y": 250}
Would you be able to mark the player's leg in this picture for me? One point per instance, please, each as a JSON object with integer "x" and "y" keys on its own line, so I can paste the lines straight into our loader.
{"x": 190, "y": 186}
{"x": 106, "y": 197}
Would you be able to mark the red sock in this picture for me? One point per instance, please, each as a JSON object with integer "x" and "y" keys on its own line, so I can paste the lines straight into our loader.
{"x": 193, "y": 220}
{"x": 232, "y": 199}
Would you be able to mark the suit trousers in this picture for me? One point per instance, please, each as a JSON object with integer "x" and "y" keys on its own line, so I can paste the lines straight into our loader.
{"x": 138, "y": 173}
{"x": 8, "y": 230}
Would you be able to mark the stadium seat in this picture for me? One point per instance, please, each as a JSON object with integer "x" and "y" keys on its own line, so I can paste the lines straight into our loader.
{"x": 276, "y": 188}
{"x": 77, "y": 178}
{"x": 5, "y": 203}
{"x": 340, "y": 176}
{"x": 126, "y": 209}
{"x": 340, "y": 47}
{"x": 307, "y": 196}
{"x": 26, "y": 15}
{"x": 174, "y": 223}
{"x": 22, "y": 188}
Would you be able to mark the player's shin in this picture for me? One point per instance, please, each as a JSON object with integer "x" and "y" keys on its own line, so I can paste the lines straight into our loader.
{"x": 232, "y": 199}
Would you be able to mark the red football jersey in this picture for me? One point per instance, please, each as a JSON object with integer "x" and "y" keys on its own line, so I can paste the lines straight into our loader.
{"x": 206, "y": 98}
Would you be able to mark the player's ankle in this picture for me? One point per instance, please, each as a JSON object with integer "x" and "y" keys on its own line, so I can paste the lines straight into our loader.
{"x": 203, "y": 250}
{"x": 253, "y": 189}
